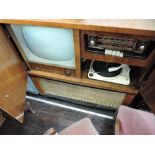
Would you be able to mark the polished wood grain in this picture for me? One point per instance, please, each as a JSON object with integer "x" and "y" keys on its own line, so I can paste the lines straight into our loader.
{"x": 13, "y": 79}
{"x": 52, "y": 69}
{"x": 139, "y": 27}
{"x": 85, "y": 81}
{"x": 37, "y": 84}
{"x": 125, "y": 26}
{"x": 77, "y": 52}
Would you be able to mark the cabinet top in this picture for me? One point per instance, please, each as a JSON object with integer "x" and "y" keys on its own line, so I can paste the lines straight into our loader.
{"x": 144, "y": 27}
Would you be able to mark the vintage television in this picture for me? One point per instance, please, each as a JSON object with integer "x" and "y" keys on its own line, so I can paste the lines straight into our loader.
{"x": 45, "y": 45}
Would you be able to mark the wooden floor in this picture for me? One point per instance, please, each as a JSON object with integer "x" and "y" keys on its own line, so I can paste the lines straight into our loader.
{"x": 48, "y": 116}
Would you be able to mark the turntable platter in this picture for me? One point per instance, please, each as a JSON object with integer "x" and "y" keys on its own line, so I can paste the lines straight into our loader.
{"x": 102, "y": 69}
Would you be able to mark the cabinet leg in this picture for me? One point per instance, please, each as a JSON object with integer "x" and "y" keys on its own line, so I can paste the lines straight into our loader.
{"x": 2, "y": 119}
{"x": 29, "y": 107}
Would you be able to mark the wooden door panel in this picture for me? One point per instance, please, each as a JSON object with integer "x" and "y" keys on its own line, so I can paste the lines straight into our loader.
{"x": 13, "y": 79}
{"x": 148, "y": 92}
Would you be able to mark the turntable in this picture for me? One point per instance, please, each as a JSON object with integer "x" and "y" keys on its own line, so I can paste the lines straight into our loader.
{"x": 109, "y": 72}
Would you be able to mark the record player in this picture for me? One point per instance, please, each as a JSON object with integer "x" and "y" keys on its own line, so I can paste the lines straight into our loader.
{"x": 109, "y": 72}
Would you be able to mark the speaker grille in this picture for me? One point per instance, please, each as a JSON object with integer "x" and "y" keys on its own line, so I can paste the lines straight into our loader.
{"x": 82, "y": 93}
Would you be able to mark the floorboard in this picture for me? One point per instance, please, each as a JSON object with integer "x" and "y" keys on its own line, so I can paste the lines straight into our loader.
{"x": 48, "y": 115}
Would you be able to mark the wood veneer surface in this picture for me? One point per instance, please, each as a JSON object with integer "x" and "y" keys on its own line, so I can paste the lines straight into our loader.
{"x": 128, "y": 26}
{"x": 13, "y": 79}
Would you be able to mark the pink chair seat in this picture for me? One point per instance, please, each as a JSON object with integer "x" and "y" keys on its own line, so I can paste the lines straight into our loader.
{"x": 82, "y": 127}
{"x": 136, "y": 122}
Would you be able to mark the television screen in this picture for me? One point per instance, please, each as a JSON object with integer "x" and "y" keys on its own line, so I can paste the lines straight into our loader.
{"x": 46, "y": 45}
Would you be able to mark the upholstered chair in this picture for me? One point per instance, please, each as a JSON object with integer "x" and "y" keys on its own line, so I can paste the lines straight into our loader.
{"x": 131, "y": 121}
{"x": 81, "y": 127}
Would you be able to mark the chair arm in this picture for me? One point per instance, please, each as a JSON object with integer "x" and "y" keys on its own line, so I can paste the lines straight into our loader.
{"x": 118, "y": 129}
{"x": 51, "y": 131}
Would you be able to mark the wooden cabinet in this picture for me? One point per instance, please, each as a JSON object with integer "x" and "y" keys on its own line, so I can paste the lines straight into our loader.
{"x": 13, "y": 79}
{"x": 13, "y": 75}
{"x": 148, "y": 90}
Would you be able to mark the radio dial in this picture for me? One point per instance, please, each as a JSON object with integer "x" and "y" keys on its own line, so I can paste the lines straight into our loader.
{"x": 92, "y": 41}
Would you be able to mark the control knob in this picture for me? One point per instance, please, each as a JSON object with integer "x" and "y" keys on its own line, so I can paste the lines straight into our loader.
{"x": 141, "y": 47}
{"x": 92, "y": 41}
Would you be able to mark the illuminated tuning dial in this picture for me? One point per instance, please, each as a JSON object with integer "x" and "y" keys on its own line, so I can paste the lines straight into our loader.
{"x": 92, "y": 41}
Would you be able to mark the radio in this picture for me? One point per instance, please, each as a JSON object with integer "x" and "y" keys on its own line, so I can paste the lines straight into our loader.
{"x": 119, "y": 46}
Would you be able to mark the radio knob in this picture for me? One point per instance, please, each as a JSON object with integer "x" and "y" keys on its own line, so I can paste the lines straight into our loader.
{"x": 92, "y": 41}
{"x": 141, "y": 47}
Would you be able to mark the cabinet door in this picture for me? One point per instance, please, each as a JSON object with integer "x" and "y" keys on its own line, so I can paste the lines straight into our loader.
{"x": 148, "y": 92}
{"x": 13, "y": 79}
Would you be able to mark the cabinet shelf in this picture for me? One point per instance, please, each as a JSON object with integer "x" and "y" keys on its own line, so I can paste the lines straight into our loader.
{"x": 108, "y": 85}
{"x": 130, "y": 61}
{"x": 85, "y": 81}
